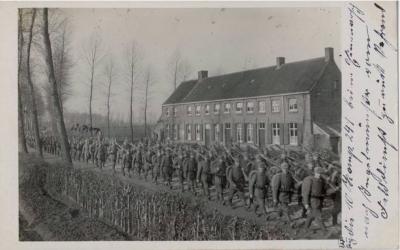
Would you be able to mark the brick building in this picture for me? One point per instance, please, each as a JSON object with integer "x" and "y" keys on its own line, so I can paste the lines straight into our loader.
{"x": 297, "y": 103}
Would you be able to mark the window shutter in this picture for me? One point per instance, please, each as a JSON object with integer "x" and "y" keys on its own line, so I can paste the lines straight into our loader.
{"x": 255, "y": 137}
{"x": 268, "y": 132}
{"x": 286, "y": 133}
{"x": 300, "y": 133}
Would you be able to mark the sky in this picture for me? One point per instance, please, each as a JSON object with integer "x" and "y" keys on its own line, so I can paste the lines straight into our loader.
{"x": 214, "y": 39}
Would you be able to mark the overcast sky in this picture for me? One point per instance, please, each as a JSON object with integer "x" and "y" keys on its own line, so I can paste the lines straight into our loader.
{"x": 217, "y": 40}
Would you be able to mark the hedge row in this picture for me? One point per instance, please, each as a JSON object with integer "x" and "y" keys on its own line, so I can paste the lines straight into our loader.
{"x": 148, "y": 215}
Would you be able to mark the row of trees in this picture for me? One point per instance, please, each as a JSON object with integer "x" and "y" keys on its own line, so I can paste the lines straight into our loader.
{"x": 45, "y": 65}
{"x": 38, "y": 33}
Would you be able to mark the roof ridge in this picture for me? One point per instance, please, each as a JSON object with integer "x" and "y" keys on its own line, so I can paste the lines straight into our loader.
{"x": 259, "y": 68}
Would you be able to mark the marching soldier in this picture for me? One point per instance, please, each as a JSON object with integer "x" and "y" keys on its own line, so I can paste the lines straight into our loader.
{"x": 191, "y": 175}
{"x": 180, "y": 161}
{"x": 167, "y": 169}
{"x": 147, "y": 162}
{"x": 313, "y": 191}
{"x": 258, "y": 184}
{"x": 236, "y": 181}
{"x": 204, "y": 174}
{"x": 335, "y": 193}
{"x": 219, "y": 170}
{"x": 282, "y": 186}
{"x": 112, "y": 151}
{"x": 156, "y": 161}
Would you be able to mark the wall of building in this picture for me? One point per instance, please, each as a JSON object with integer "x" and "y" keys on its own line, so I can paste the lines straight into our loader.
{"x": 326, "y": 97}
{"x": 301, "y": 117}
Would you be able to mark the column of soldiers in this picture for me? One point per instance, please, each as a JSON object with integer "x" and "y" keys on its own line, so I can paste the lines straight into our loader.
{"x": 268, "y": 183}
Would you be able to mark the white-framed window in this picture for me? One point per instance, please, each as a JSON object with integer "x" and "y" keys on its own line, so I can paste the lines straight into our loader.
{"x": 276, "y": 134}
{"x": 261, "y": 125}
{"x": 227, "y": 126}
{"x": 239, "y": 132}
{"x": 176, "y": 131}
{"x": 217, "y": 132}
{"x": 198, "y": 132}
{"x": 250, "y": 107}
{"x": 198, "y": 110}
{"x": 292, "y": 105}
{"x": 167, "y": 112}
{"x": 293, "y": 137}
{"x": 249, "y": 132}
{"x": 217, "y": 107}
{"x": 189, "y": 132}
{"x": 207, "y": 109}
{"x": 276, "y": 106}
{"x": 175, "y": 110}
{"x": 189, "y": 110}
{"x": 227, "y": 107}
{"x": 239, "y": 107}
{"x": 261, "y": 107}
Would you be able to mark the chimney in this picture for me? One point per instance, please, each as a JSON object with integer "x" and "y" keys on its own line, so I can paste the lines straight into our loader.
{"x": 203, "y": 74}
{"x": 279, "y": 62}
{"x": 328, "y": 54}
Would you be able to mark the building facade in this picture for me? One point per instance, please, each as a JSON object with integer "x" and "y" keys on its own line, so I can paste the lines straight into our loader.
{"x": 285, "y": 104}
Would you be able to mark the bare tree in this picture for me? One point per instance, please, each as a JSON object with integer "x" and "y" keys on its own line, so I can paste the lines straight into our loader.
{"x": 109, "y": 71}
{"x": 92, "y": 57}
{"x": 21, "y": 125}
{"x": 132, "y": 64}
{"x": 179, "y": 68}
{"x": 31, "y": 87}
{"x": 147, "y": 82}
{"x": 52, "y": 79}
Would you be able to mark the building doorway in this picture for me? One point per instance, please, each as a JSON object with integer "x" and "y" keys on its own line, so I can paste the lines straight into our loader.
{"x": 207, "y": 134}
{"x": 227, "y": 132}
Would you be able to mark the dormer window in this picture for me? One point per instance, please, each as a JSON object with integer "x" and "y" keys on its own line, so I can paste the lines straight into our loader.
{"x": 167, "y": 112}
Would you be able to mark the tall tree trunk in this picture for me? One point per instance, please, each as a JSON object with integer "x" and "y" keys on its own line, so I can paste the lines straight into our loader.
{"x": 58, "y": 113}
{"x": 21, "y": 118}
{"x": 108, "y": 101}
{"x": 31, "y": 87}
{"x": 131, "y": 108}
{"x": 145, "y": 103}
{"x": 91, "y": 98}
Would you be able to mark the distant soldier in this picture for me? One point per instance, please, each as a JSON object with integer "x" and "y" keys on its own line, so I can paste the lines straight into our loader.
{"x": 313, "y": 191}
{"x": 192, "y": 172}
{"x": 258, "y": 185}
{"x": 112, "y": 152}
{"x": 282, "y": 185}
{"x": 126, "y": 159}
{"x": 101, "y": 154}
{"x": 236, "y": 181}
{"x": 167, "y": 168}
{"x": 138, "y": 161}
{"x": 147, "y": 162}
{"x": 156, "y": 161}
{"x": 179, "y": 162}
{"x": 219, "y": 171}
{"x": 204, "y": 174}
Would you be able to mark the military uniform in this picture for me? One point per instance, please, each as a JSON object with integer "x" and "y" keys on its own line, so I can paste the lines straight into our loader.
{"x": 236, "y": 182}
{"x": 192, "y": 172}
{"x": 258, "y": 184}
{"x": 204, "y": 174}
{"x": 167, "y": 169}
{"x": 282, "y": 185}
{"x": 313, "y": 191}
{"x": 219, "y": 177}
